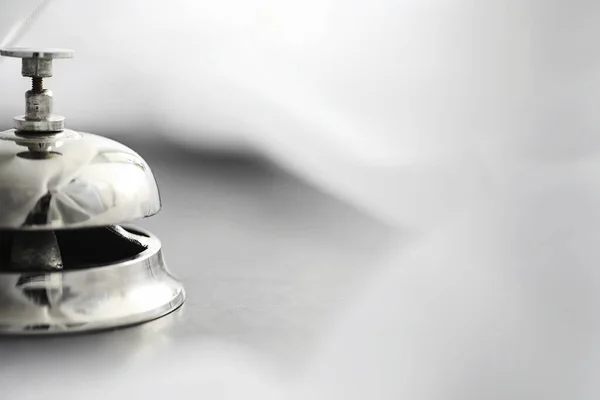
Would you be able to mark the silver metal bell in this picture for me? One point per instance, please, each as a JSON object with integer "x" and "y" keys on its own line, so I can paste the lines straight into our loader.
{"x": 68, "y": 261}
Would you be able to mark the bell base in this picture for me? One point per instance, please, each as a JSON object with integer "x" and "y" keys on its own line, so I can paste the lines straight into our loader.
{"x": 116, "y": 295}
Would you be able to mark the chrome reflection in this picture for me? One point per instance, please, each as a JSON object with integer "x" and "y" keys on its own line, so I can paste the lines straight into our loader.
{"x": 125, "y": 292}
{"x": 71, "y": 180}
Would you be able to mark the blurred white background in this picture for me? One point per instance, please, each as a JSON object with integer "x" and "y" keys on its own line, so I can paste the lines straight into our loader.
{"x": 386, "y": 103}
{"x": 474, "y": 123}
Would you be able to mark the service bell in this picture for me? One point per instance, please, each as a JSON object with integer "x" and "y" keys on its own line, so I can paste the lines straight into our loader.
{"x": 69, "y": 261}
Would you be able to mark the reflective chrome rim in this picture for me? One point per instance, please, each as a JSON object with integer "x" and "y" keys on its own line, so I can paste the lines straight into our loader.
{"x": 124, "y": 293}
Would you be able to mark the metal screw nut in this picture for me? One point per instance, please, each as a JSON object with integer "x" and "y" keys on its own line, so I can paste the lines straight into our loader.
{"x": 37, "y": 63}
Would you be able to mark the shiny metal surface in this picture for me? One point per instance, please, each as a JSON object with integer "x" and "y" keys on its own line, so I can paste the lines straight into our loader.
{"x": 52, "y": 123}
{"x": 123, "y": 293}
{"x": 85, "y": 181}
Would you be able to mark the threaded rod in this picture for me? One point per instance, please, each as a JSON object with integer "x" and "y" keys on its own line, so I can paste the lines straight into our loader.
{"x": 37, "y": 85}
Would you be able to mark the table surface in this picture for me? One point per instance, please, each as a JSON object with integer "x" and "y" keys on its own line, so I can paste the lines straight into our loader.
{"x": 267, "y": 261}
